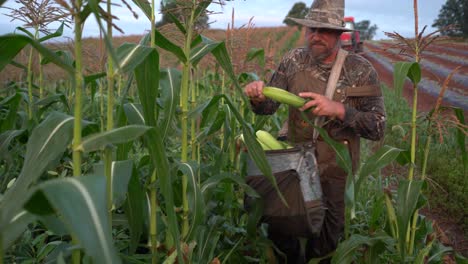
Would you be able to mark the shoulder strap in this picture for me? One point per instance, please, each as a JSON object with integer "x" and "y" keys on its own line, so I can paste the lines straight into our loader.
{"x": 331, "y": 85}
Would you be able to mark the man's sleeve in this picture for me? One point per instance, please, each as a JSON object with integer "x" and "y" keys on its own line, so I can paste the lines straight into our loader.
{"x": 365, "y": 110}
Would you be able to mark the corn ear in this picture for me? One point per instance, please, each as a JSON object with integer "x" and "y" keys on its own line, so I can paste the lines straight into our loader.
{"x": 283, "y": 96}
{"x": 268, "y": 140}
{"x": 264, "y": 147}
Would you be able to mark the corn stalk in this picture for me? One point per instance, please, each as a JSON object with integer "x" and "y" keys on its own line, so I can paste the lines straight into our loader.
{"x": 79, "y": 87}
{"x": 30, "y": 77}
{"x": 110, "y": 117}
{"x": 153, "y": 191}
{"x": 184, "y": 102}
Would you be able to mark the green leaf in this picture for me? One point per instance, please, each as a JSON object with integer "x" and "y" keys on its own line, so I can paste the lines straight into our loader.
{"x": 144, "y": 6}
{"x": 406, "y": 204}
{"x": 168, "y": 45}
{"x": 222, "y": 56}
{"x": 5, "y": 140}
{"x": 134, "y": 113}
{"x": 93, "y": 77}
{"x": 201, "y": 51}
{"x": 121, "y": 171}
{"x": 384, "y": 156}
{"x": 17, "y": 225}
{"x": 66, "y": 56}
{"x": 170, "y": 93}
{"x": 115, "y": 136}
{"x": 201, "y": 8}
{"x": 177, "y": 22}
{"x": 254, "y": 149}
{"x": 147, "y": 79}
{"x": 47, "y": 143}
{"x": 349, "y": 249}
{"x": 81, "y": 202}
{"x": 414, "y": 73}
{"x": 256, "y": 53}
{"x": 197, "y": 205}
{"x": 134, "y": 211}
{"x": 223, "y": 177}
{"x": 401, "y": 71}
{"x": 11, "y": 45}
{"x": 131, "y": 55}
{"x": 57, "y": 33}
{"x": 423, "y": 253}
{"x": 12, "y": 102}
{"x": 25, "y": 31}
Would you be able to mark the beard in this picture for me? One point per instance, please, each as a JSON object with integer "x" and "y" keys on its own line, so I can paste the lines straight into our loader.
{"x": 320, "y": 50}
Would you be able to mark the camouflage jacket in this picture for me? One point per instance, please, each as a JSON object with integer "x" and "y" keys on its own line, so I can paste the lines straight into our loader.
{"x": 358, "y": 88}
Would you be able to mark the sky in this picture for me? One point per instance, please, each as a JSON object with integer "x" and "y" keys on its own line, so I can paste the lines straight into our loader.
{"x": 388, "y": 15}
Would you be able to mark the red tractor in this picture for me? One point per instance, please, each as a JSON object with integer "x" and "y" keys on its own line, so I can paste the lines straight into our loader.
{"x": 351, "y": 40}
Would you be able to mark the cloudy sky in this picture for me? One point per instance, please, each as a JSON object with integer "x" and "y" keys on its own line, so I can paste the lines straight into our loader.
{"x": 388, "y": 15}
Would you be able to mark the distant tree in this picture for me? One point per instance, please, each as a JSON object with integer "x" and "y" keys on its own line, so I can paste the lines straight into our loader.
{"x": 173, "y": 8}
{"x": 367, "y": 32}
{"x": 453, "y": 13}
{"x": 299, "y": 10}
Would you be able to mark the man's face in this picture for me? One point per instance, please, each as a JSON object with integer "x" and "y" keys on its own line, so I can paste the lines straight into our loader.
{"x": 321, "y": 42}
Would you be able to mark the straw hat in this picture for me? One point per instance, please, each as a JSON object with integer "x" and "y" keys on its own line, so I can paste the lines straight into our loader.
{"x": 324, "y": 14}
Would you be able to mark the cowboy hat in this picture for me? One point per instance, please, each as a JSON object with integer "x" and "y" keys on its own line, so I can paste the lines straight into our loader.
{"x": 324, "y": 14}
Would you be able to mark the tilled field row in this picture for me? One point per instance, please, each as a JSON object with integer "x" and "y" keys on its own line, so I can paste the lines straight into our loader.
{"x": 433, "y": 75}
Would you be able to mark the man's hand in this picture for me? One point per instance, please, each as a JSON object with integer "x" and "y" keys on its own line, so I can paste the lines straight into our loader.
{"x": 254, "y": 91}
{"x": 323, "y": 106}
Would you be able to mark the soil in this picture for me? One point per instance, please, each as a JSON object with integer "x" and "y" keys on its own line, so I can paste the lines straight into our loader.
{"x": 449, "y": 232}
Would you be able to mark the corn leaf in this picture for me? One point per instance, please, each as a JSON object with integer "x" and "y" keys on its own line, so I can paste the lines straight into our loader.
{"x": 134, "y": 113}
{"x": 197, "y": 204}
{"x": 147, "y": 79}
{"x": 384, "y": 156}
{"x": 144, "y": 6}
{"x": 5, "y": 140}
{"x": 115, "y": 136}
{"x": 18, "y": 224}
{"x": 82, "y": 204}
{"x": 12, "y": 103}
{"x": 25, "y": 31}
{"x": 134, "y": 211}
{"x": 168, "y": 45}
{"x": 121, "y": 171}
{"x": 169, "y": 84}
{"x": 256, "y": 53}
{"x": 406, "y": 203}
{"x": 401, "y": 71}
{"x": 47, "y": 143}
{"x": 177, "y": 22}
{"x": 254, "y": 149}
{"x": 227, "y": 177}
{"x": 461, "y": 137}
{"x": 11, "y": 45}
{"x": 222, "y": 57}
{"x": 349, "y": 249}
{"x": 57, "y": 33}
{"x": 201, "y": 51}
{"x": 130, "y": 55}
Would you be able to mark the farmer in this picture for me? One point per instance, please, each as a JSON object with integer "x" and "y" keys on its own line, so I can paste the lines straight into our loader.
{"x": 356, "y": 110}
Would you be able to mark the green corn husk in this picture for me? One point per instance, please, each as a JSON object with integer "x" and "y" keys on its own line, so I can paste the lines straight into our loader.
{"x": 283, "y": 96}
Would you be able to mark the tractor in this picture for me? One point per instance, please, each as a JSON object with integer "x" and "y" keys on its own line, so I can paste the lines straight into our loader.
{"x": 351, "y": 40}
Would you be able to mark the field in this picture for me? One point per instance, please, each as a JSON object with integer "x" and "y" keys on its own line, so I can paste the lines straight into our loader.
{"x": 141, "y": 145}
